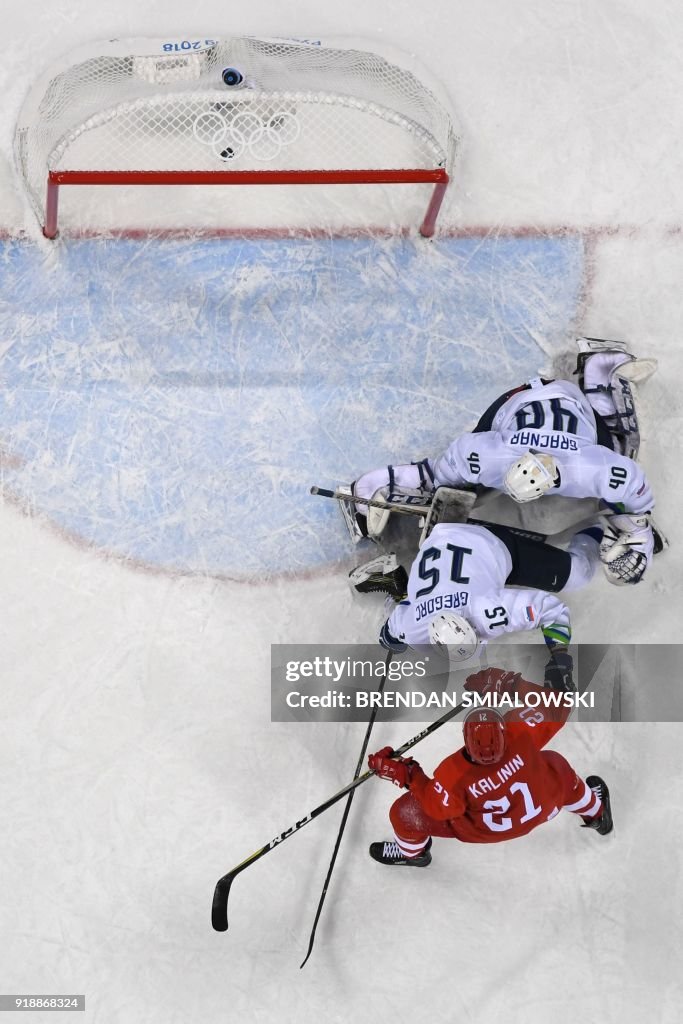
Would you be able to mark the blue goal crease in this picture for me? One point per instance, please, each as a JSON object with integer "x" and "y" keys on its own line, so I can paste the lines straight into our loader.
{"x": 174, "y": 402}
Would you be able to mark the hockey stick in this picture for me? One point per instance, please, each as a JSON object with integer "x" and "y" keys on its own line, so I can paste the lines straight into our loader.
{"x": 422, "y": 510}
{"x": 342, "y": 826}
{"x": 406, "y": 510}
{"x": 219, "y": 909}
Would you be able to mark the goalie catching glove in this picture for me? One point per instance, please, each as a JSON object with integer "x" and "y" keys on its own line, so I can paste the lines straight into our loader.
{"x": 626, "y": 548}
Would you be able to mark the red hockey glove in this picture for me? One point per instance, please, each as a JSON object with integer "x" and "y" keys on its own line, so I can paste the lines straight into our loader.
{"x": 493, "y": 680}
{"x": 398, "y": 770}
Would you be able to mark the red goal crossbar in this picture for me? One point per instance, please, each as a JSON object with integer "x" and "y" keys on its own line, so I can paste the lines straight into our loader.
{"x": 438, "y": 177}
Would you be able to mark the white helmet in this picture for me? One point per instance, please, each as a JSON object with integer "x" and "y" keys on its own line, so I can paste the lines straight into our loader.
{"x": 530, "y": 477}
{"x": 455, "y": 634}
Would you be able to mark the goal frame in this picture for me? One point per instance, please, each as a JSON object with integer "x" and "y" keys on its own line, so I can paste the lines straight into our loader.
{"x": 438, "y": 177}
{"x": 151, "y": 72}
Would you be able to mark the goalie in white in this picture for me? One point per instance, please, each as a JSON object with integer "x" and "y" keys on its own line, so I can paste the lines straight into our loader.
{"x": 549, "y": 437}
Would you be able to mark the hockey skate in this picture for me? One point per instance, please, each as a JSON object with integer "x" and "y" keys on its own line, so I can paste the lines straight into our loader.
{"x": 604, "y": 824}
{"x": 380, "y": 575}
{"x": 660, "y": 540}
{"x": 389, "y": 853}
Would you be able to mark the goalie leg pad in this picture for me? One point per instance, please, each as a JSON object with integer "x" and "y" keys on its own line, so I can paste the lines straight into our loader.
{"x": 603, "y": 356}
{"x": 624, "y": 423}
{"x": 449, "y": 505}
{"x": 607, "y": 372}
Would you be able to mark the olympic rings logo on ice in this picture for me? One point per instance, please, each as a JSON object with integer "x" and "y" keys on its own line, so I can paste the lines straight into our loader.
{"x": 232, "y": 135}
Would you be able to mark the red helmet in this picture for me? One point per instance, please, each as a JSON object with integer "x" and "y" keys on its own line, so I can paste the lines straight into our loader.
{"x": 484, "y": 732}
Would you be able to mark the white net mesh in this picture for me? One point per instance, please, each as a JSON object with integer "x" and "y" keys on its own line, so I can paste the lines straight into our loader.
{"x": 137, "y": 105}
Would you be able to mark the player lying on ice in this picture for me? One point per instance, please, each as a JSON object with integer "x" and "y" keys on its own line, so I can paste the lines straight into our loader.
{"x": 501, "y": 785}
{"x": 470, "y": 584}
{"x": 546, "y": 437}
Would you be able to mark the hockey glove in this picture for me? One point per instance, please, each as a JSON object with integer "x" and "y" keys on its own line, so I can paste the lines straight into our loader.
{"x": 558, "y": 671}
{"x": 493, "y": 680}
{"x": 398, "y": 770}
{"x": 389, "y": 642}
{"x": 626, "y": 548}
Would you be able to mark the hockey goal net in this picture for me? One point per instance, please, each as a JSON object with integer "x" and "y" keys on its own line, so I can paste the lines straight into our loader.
{"x": 240, "y": 111}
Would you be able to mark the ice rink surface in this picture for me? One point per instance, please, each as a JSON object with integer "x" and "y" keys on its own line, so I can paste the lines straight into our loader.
{"x": 165, "y": 406}
{"x": 162, "y": 396}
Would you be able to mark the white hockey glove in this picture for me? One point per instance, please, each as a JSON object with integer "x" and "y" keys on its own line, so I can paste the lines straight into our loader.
{"x": 626, "y": 548}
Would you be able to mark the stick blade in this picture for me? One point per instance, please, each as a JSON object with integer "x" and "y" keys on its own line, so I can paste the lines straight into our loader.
{"x": 219, "y": 907}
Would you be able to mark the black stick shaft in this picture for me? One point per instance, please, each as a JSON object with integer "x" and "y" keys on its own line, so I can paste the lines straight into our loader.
{"x": 421, "y": 510}
{"x": 347, "y": 809}
{"x": 406, "y": 510}
{"x": 219, "y": 910}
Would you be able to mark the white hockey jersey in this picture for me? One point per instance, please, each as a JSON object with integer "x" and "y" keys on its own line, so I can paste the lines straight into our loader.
{"x": 463, "y": 568}
{"x": 556, "y": 419}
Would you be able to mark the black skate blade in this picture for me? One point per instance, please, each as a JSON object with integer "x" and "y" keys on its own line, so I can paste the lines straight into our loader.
{"x": 660, "y": 541}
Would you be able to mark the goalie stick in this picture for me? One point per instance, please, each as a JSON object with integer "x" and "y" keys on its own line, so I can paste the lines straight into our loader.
{"x": 219, "y": 909}
{"x": 422, "y": 510}
{"x": 403, "y": 508}
{"x": 427, "y": 511}
{"x": 342, "y": 825}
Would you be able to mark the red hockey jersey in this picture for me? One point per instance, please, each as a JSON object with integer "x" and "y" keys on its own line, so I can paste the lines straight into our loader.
{"x": 492, "y": 803}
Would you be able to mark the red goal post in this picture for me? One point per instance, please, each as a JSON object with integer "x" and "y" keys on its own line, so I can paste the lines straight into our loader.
{"x": 155, "y": 112}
